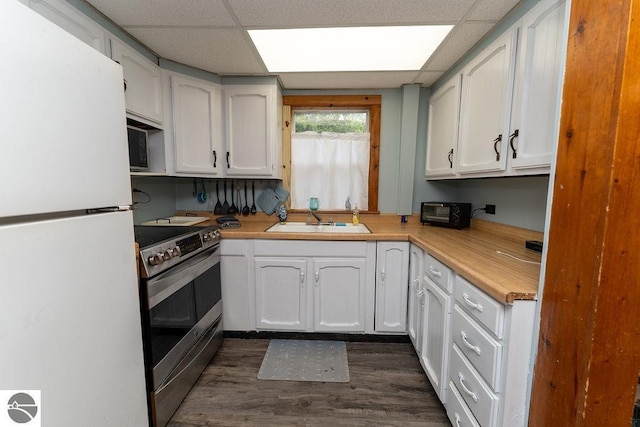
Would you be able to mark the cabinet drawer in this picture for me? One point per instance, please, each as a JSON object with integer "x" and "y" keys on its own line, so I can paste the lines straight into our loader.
{"x": 473, "y": 390}
{"x": 482, "y": 350}
{"x": 480, "y": 306}
{"x": 439, "y": 273}
{"x": 458, "y": 412}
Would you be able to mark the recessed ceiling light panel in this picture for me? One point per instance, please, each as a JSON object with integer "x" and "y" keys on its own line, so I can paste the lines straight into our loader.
{"x": 348, "y": 48}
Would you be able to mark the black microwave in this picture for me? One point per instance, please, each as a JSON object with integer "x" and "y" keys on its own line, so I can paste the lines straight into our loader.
{"x": 446, "y": 214}
{"x": 138, "y": 149}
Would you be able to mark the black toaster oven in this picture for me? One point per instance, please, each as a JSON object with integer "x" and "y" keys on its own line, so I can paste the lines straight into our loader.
{"x": 446, "y": 214}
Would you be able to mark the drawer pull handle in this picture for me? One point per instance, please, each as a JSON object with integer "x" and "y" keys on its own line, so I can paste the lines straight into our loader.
{"x": 467, "y": 344}
{"x": 470, "y": 303}
{"x": 457, "y": 419}
{"x": 465, "y": 389}
{"x": 435, "y": 272}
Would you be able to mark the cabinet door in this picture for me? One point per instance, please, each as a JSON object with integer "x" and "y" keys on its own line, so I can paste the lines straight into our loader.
{"x": 442, "y": 136}
{"x": 234, "y": 270}
{"x": 250, "y": 123}
{"x": 487, "y": 84}
{"x": 196, "y": 125}
{"x": 339, "y": 294}
{"x": 143, "y": 93}
{"x": 414, "y": 317}
{"x": 537, "y": 89}
{"x": 392, "y": 277}
{"x": 436, "y": 330}
{"x": 281, "y": 294}
{"x": 72, "y": 20}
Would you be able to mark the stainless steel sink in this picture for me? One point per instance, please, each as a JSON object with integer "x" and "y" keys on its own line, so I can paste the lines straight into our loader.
{"x": 301, "y": 227}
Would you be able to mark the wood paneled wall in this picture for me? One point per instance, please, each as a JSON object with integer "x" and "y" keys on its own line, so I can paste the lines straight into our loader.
{"x": 588, "y": 357}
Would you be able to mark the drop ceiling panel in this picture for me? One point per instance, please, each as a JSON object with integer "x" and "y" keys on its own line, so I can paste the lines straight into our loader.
{"x": 310, "y": 13}
{"x": 216, "y": 50}
{"x": 462, "y": 38}
{"x": 212, "y": 34}
{"x": 491, "y": 10}
{"x": 351, "y": 80}
{"x": 165, "y": 12}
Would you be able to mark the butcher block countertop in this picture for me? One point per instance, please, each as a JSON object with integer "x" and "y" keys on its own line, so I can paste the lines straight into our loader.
{"x": 483, "y": 253}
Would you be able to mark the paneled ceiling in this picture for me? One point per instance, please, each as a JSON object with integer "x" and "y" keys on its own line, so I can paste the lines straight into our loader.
{"x": 212, "y": 34}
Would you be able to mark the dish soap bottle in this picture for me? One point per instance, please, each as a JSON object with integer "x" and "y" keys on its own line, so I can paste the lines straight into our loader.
{"x": 355, "y": 218}
{"x": 347, "y": 204}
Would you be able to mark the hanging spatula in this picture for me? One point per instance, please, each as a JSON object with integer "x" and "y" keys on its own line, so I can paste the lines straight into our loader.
{"x": 245, "y": 209}
{"x": 233, "y": 209}
{"x": 253, "y": 197}
{"x": 217, "y": 210}
{"x": 225, "y": 206}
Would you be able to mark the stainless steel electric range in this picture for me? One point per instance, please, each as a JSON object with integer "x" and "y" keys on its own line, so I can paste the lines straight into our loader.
{"x": 181, "y": 302}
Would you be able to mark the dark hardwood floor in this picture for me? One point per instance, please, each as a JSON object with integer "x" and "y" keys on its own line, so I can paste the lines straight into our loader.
{"x": 387, "y": 387}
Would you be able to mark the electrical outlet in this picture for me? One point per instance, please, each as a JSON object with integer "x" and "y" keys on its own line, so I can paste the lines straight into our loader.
{"x": 490, "y": 209}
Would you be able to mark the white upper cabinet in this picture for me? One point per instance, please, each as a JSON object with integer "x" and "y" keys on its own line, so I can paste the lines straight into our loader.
{"x": 72, "y": 20}
{"x": 252, "y": 117}
{"x": 442, "y": 136}
{"x": 143, "y": 93}
{"x": 487, "y": 83}
{"x": 197, "y": 125}
{"x": 509, "y": 103}
{"x": 538, "y": 80}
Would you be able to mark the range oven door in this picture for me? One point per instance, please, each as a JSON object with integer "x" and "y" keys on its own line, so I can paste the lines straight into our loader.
{"x": 183, "y": 304}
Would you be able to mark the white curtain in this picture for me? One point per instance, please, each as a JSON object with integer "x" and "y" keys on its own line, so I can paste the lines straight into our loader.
{"x": 329, "y": 166}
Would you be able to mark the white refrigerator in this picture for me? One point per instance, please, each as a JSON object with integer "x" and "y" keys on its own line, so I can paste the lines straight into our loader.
{"x": 69, "y": 307}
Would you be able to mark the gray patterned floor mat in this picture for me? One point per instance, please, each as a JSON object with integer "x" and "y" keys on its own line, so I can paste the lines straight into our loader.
{"x": 305, "y": 360}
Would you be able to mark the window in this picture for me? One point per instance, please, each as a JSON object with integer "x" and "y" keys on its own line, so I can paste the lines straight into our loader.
{"x": 331, "y": 151}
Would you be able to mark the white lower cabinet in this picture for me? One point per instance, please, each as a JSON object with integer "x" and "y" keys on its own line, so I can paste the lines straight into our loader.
{"x": 339, "y": 294}
{"x": 489, "y": 356}
{"x": 236, "y": 292}
{"x": 392, "y": 283}
{"x": 281, "y": 294}
{"x": 314, "y": 286}
{"x": 435, "y": 344}
{"x": 416, "y": 300}
{"x": 437, "y": 283}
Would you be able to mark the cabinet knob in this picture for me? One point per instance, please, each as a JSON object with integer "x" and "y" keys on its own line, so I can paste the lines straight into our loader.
{"x": 382, "y": 274}
{"x": 302, "y": 279}
{"x": 317, "y": 277}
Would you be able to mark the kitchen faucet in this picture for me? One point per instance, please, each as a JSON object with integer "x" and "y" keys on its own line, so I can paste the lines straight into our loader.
{"x": 319, "y": 218}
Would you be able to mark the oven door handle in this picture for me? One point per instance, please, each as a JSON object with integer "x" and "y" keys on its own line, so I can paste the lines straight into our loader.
{"x": 166, "y": 284}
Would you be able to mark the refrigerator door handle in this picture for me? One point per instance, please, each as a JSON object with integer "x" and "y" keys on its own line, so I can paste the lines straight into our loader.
{"x": 122, "y": 208}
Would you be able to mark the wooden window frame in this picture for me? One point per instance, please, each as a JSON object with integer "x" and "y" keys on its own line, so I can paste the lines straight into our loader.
{"x": 370, "y": 103}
